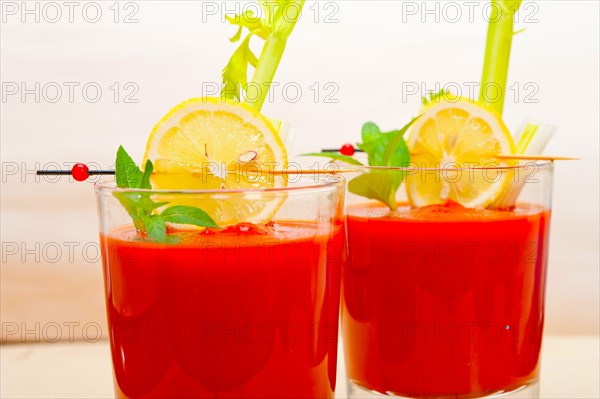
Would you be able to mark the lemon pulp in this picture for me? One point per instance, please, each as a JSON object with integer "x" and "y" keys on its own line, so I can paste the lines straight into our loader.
{"x": 453, "y": 134}
{"x": 215, "y": 144}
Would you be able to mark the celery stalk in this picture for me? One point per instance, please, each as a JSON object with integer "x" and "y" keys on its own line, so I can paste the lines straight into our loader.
{"x": 265, "y": 69}
{"x": 280, "y": 17}
{"x": 283, "y": 25}
{"x": 531, "y": 140}
{"x": 497, "y": 52}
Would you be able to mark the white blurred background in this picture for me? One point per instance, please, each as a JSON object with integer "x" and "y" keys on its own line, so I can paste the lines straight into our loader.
{"x": 347, "y": 62}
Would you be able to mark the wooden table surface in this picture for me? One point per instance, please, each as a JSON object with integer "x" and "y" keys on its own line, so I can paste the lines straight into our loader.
{"x": 570, "y": 369}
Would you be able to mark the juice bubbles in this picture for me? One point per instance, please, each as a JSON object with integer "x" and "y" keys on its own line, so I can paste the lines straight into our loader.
{"x": 248, "y": 311}
{"x": 444, "y": 301}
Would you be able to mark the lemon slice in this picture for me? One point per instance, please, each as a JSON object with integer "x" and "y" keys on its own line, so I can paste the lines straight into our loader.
{"x": 214, "y": 144}
{"x": 453, "y": 133}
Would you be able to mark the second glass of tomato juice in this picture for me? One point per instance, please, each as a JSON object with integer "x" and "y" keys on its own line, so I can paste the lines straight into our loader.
{"x": 443, "y": 289}
{"x": 446, "y": 301}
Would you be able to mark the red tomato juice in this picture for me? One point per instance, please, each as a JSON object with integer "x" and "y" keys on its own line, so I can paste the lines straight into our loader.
{"x": 244, "y": 312}
{"x": 444, "y": 301}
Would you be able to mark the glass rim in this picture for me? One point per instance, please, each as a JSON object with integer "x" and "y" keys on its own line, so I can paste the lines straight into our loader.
{"x": 109, "y": 186}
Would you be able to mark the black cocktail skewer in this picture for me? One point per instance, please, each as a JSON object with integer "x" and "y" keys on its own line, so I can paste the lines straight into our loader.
{"x": 69, "y": 173}
{"x": 79, "y": 171}
{"x": 338, "y": 150}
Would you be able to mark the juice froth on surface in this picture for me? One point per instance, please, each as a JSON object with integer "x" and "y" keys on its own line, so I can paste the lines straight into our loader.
{"x": 444, "y": 301}
{"x": 247, "y": 311}
{"x": 230, "y": 235}
{"x": 450, "y": 211}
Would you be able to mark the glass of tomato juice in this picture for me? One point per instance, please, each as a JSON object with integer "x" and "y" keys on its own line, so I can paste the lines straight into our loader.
{"x": 444, "y": 300}
{"x": 249, "y": 310}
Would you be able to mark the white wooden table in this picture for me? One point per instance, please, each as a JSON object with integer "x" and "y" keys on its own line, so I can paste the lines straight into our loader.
{"x": 570, "y": 369}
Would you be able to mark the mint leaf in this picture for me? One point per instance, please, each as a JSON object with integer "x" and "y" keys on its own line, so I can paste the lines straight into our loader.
{"x": 129, "y": 202}
{"x": 187, "y": 215}
{"x": 370, "y": 132}
{"x": 387, "y": 149}
{"x": 396, "y": 152}
{"x": 375, "y": 185}
{"x": 140, "y": 206}
{"x": 145, "y": 181}
{"x": 152, "y": 205}
{"x": 376, "y": 148}
{"x": 383, "y": 149}
{"x": 155, "y": 227}
{"x": 127, "y": 173}
{"x": 146, "y": 205}
{"x": 333, "y": 155}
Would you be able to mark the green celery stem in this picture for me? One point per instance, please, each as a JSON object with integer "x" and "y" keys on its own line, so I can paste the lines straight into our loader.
{"x": 497, "y": 56}
{"x": 265, "y": 70}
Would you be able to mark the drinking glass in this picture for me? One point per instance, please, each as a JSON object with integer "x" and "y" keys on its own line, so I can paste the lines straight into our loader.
{"x": 247, "y": 311}
{"x": 446, "y": 301}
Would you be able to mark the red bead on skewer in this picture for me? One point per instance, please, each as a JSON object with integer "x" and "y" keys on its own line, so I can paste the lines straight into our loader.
{"x": 347, "y": 149}
{"x": 80, "y": 172}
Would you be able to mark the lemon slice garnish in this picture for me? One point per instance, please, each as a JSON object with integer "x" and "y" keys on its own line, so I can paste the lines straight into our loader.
{"x": 455, "y": 133}
{"x": 215, "y": 144}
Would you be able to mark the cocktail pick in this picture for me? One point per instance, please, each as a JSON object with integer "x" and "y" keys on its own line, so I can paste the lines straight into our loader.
{"x": 529, "y": 157}
{"x": 81, "y": 172}
{"x": 348, "y": 149}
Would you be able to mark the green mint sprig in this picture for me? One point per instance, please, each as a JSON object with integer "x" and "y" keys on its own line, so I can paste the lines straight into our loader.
{"x": 142, "y": 208}
{"x": 276, "y": 25}
{"x": 382, "y": 149}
